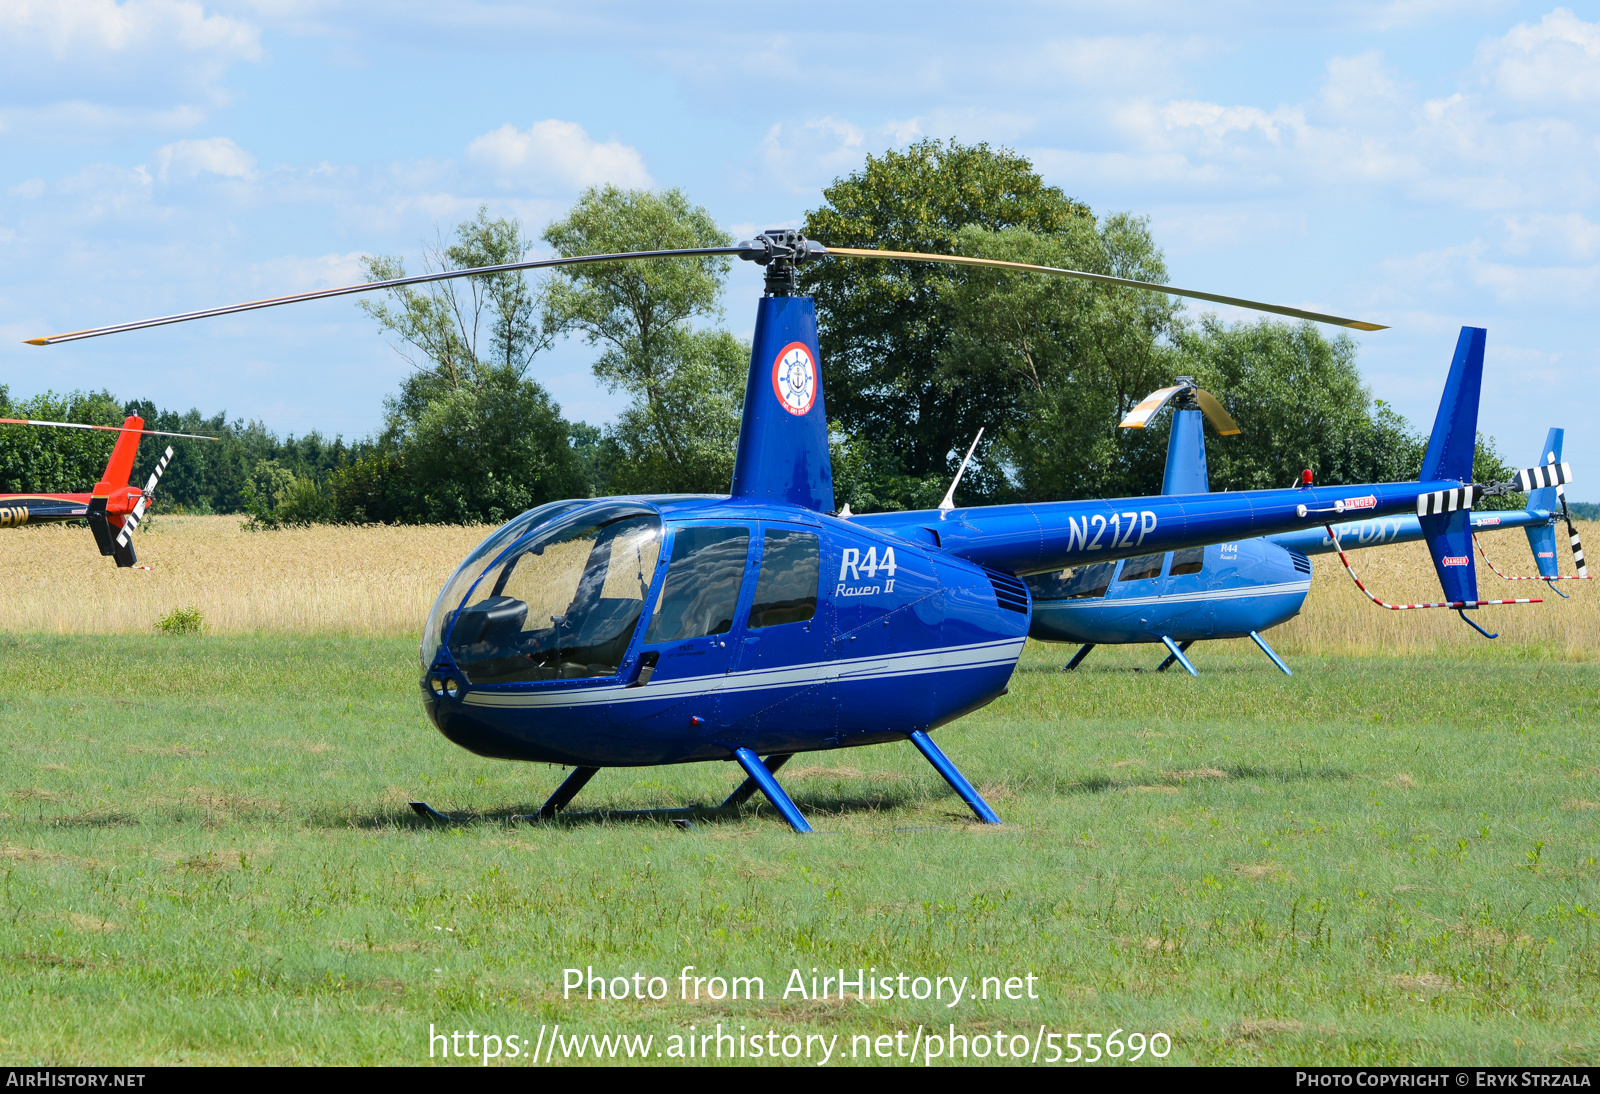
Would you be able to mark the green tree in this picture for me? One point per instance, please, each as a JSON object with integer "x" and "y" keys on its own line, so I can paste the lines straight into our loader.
{"x": 487, "y": 451}
{"x": 1058, "y": 362}
{"x": 38, "y": 458}
{"x": 884, "y": 326}
{"x": 1300, "y": 403}
{"x": 455, "y": 329}
{"x": 687, "y": 384}
{"x": 469, "y": 436}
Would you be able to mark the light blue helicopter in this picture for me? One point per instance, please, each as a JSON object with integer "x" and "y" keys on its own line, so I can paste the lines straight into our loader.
{"x": 1239, "y": 589}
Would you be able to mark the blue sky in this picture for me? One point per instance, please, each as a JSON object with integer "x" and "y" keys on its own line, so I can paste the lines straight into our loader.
{"x": 1420, "y": 163}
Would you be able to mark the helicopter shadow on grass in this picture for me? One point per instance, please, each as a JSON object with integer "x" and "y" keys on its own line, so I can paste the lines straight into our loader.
{"x": 1229, "y": 774}
{"x": 1223, "y": 668}
{"x": 404, "y": 817}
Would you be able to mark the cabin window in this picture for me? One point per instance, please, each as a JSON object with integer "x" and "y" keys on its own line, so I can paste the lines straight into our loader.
{"x": 1190, "y": 560}
{"x": 702, "y": 585}
{"x": 1141, "y": 567}
{"x": 564, "y": 607}
{"x": 1073, "y": 583}
{"x": 791, "y": 569}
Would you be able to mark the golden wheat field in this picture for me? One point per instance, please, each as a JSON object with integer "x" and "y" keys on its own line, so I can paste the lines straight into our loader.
{"x": 367, "y": 580}
{"x": 381, "y": 581}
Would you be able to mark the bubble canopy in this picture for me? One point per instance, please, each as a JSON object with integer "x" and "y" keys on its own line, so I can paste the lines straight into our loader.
{"x": 554, "y": 595}
{"x": 482, "y": 557}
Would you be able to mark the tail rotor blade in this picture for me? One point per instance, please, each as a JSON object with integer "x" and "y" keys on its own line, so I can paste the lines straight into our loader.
{"x": 131, "y": 522}
{"x": 1577, "y": 545}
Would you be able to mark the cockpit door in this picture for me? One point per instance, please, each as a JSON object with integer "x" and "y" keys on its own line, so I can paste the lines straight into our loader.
{"x": 778, "y": 687}
{"x": 691, "y": 638}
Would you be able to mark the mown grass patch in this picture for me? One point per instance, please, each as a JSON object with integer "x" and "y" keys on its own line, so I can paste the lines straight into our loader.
{"x": 206, "y": 855}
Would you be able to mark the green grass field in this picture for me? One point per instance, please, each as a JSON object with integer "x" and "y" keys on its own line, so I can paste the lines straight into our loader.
{"x": 207, "y": 857}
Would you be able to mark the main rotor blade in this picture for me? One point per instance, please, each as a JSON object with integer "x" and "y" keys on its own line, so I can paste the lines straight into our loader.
{"x": 107, "y": 428}
{"x": 687, "y": 252}
{"x": 372, "y": 286}
{"x": 1140, "y": 416}
{"x": 1105, "y": 279}
{"x": 1219, "y": 418}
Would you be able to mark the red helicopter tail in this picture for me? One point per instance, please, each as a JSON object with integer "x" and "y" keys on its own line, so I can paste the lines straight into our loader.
{"x": 113, "y": 499}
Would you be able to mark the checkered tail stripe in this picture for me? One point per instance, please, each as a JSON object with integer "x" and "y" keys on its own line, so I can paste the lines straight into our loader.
{"x": 1537, "y": 478}
{"x": 1448, "y": 501}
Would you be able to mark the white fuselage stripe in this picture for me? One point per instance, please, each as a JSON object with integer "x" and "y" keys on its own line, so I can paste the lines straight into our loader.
{"x": 1281, "y": 589}
{"x": 913, "y": 663}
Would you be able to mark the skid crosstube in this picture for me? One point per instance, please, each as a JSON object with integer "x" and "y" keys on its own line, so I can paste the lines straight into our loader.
{"x": 762, "y": 777}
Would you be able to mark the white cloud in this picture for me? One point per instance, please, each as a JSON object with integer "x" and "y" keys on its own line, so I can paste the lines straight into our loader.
{"x": 73, "y": 67}
{"x": 299, "y": 273}
{"x": 1217, "y": 121}
{"x": 30, "y": 189}
{"x": 214, "y": 156}
{"x": 1467, "y": 271}
{"x": 1554, "y": 61}
{"x": 554, "y": 154}
{"x": 1469, "y": 150}
{"x": 798, "y": 158}
{"x": 1571, "y": 235}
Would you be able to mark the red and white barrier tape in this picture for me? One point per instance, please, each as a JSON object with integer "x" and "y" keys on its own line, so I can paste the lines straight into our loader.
{"x": 1456, "y": 604}
{"x": 1534, "y": 577}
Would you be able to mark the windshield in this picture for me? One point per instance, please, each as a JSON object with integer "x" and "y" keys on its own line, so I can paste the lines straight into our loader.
{"x": 479, "y": 560}
{"x": 564, "y": 604}
{"x": 1073, "y": 583}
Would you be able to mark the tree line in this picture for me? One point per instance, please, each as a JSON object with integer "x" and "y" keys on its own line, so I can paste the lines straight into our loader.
{"x": 917, "y": 357}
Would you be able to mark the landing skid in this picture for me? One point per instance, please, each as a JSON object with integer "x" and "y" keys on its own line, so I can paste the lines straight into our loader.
{"x": 748, "y": 788}
{"x": 566, "y": 791}
{"x": 758, "y": 777}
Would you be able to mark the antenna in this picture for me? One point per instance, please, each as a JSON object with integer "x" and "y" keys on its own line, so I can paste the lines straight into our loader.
{"x": 949, "y": 501}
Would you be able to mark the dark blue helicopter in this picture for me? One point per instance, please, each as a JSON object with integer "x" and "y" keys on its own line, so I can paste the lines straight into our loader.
{"x": 1225, "y": 590}
{"x": 633, "y": 631}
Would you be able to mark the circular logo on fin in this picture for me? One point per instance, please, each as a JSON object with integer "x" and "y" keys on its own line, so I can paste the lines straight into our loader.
{"x": 794, "y": 378}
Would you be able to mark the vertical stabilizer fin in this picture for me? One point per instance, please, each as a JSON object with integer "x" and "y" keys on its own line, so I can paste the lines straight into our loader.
{"x": 783, "y": 432}
{"x": 1542, "y": 537}
{"x": 1449, "y": 537}
{"x": 1186, "y": 455}
{"x": 1454, "y": 439}
{"x": 120, "y": 467}
{"x": 1451, "y": 447}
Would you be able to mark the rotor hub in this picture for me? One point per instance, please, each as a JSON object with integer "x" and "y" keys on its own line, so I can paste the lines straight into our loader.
{"x": 780, "y": 251}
